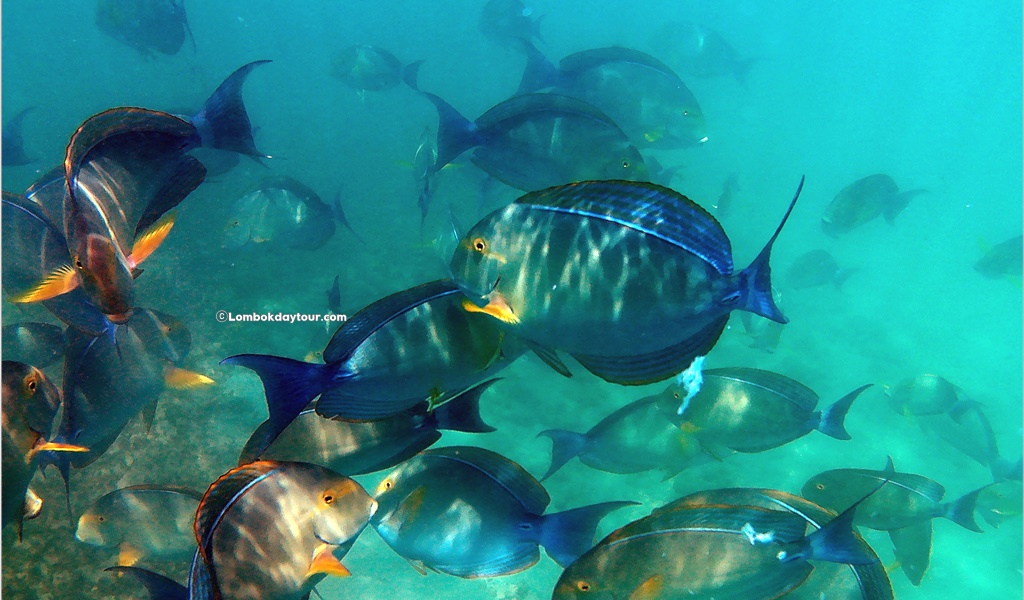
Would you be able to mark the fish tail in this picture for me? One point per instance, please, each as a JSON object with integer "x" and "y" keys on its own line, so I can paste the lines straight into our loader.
{"x": 569, "y": 534}
{"x": 411, "y": 74}
{"x": 755, "y": 282}
{"x": 1003, "y": 468}
{"x": 833, "y": 417}
{"x": 564, "y": 446}
{"x": 157, "y": 586}
{"x": 223, "y": 122}
{"x": 455, "y": 133}
{"x": 539, "y": 73}
{"x": 462, "y": 413}
{"x": 289, "y": 385}
{"x": 838, "y": 542}
{"x": 961, "y": 510}
{"x": 62, "y": 461}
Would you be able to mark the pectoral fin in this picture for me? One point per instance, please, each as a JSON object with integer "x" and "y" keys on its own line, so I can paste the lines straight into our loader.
{"x": 497, "y": 307}
{"x": 151, "y": 239}
{"x": 325, "y": 562}
{"x": 61, "y": 281}
{"x": 128, "y": 555}
{"x": 183, "y": 379}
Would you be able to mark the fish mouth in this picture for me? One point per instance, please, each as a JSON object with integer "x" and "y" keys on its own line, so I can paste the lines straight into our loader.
{"x": 480, "y": 299}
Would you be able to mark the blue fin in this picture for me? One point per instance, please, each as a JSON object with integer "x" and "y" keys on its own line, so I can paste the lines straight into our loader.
{"x": 223, "y": 122}
{"x": 755, "y": 282}
{"x": 832, "y": 418}
{"x": 564, "y": 446}
{"x": 462, "y": 413}
{"x": 157, "y": 586}
{"x": 569, "y": 534}
{"x": 550, "y": 358}
{"x": 961, "y": 510}
{"x": 836, "y": 541}
{"x": 289, "y": 385}
{"x": 539, "y": 72}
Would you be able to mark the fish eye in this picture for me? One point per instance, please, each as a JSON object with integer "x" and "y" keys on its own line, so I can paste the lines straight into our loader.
{"x": 387, "y": 484}
{"x": 820, "y": 486}
{"x": 686, "y": 113}
{"x": 78, "y": 263}
{"x": 328, "y": 497}
{"x": 625, "y": 164}
{"x": 101, "y": 518}
{"x": 480, "y": 245}
{"x": 675, "y": 395}
{"x": 583, "y": 586}
{"x": 31, "y": 384}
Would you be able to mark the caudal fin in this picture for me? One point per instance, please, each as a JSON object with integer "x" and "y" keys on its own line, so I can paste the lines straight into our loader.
{"x": 539, "y": 73}
{"x": 755, "y": 282}
{"x": 223, "y": 122}
{"x": 455, "y": 133}
{"x": 564, "y": 446}
{"x": 833, "y": 417}
{"x": 462, "y": 413}
{"x": 569, "y": 534}
{"x": 961, "y": 510}
{"x": 289, "y": 385}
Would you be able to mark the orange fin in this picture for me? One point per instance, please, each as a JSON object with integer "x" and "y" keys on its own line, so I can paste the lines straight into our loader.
{"x": 151, "y": 239}
{"x": 497, "y": 308}
{"x": 325, "y": 562}
{"x": 61, "y": 281}
{"x": 128, "y": 555}
{"x": 649, "y": 589}
{"x": 54, "y": 447}
{"x": 183, "y": 379}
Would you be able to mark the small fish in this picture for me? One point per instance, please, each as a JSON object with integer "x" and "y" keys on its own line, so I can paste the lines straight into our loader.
{"x": 700, "y": 51}
{"x": 727, "y": 552}
{"x": 534, "y": 141}
{"x": 863, "y": 201}
{"x": 635, "y": 438}
{"x": 143, "y": 522}
{"x": 631, "y": 279}
{"x": 360, "y": 447}
{"x": 659, "y": 174}
{"x": 751, "y": 410}
{"x": 339, "y": 213}
{"x": 1000, "y": 502}
{"x": 815, "y": 268}
{"x": 509, "y": 21}
{"x": 334, "y": 296}
{"x": 731, "y": 185}
{"x": 369, "y": 68}
{"x": 966, "y": 428}
{"x": 922, "y": 395}
{"x": 470, "y": 512}
{"x": 641, "y": 94}
{"x": 1002, "y": 260}
{"x": 148, "y": 26}
{"x": 403, "y": 349}
{"x": 14, "y": 154}
{"x": 39, "y": 344}
{"x": 423, "y": 162}
{"x": 280, "y": 211}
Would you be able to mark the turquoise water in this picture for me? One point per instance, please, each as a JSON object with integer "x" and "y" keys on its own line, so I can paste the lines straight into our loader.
{"x": 930, "y": 94}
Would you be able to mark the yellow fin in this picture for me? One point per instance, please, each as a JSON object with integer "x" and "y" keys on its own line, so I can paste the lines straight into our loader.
{"x": 183, "y": 379}
{"x": 151, "y": 239}
{"x": 325, "y": 562}
{"x": 689, "y": 427}
{"x": 649, "y": 589}
{"x": 54, "y": 447}
{"x": 895, "y": 565}
{"x": 128, "y": 556}
{"x": 61, "y": 281}
{"x": 497, "y": 308}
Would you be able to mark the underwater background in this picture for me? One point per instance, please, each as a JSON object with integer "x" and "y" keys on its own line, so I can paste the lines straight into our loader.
{"x": 928, "y": 93}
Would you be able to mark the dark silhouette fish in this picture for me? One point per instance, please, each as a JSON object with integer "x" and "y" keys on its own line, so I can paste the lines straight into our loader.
{"x": 815, "y": 268}
{"x": 863, "y": 201}
{"x": 334, "y": 296}
{"x": 641, "y": 94}
{"x": 280, "y": 211}
{"x": 508, "y": 21}
{"x": 39, "y": 344}
{"x": 148, "y": 26}
{"x": 700, "y": 51}
{"x": 1002, "y": 260}
{"x": 14, "y": 154}
{"x": 367, "y": 68}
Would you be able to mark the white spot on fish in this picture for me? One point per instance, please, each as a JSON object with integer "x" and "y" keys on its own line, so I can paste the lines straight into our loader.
{"x": 691, "y": 380}
{"x": 757, "y": 538}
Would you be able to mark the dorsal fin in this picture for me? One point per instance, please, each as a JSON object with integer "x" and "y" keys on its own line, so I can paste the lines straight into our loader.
{"x": 520, "y": 484}
{"x": 788, "y": 388}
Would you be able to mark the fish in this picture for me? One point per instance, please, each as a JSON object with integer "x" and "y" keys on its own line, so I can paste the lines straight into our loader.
{"x": 470, "y": 512}
{"x": 30, "y": 402}
{"x": 534, "y": 141}
{"x": 659, "y": 174}
{"x": 966, "y": 428}
{"x": 148, "y": 26}
{"x": 816, "y": 268}
{"x": 731, "y": 185}
{"x": 334, "y": 296}
{"x": 338, "y": 211}
{"x": 366, "y": 68}
{"x": 751, "y": 410}
{"x": 143, "y": 522}
{"x": 423, "y": 162}
{"x": 33, "y": 505}
{"x": 925, "y": 394}
{"x": 1002, "y": 260}
{"x": 280, "y": 211}
{"x": 411, "y": 346}
{"x": 631, "y": 279}
{"x": 39, "y": 344}
{"x": 700, "y": 51}
{"x": 863, "y": 201}
{"x": 635, "y": 438}
{"x": 1000, "y": 502}
{"x": 509, "y": 21}
{"x": 14, "y": 154}
{"x": 360, "y": 447}
{"x": 268, "y": 530}
{"x": 835, "y": 581}
{"x": 638, "y": 92}
{"x": 710, "y": 551}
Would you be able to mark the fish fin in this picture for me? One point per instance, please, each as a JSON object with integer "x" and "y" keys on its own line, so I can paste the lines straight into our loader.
{"x": 497, "y": 307}
{"x": 157, "y": 586}
{"x": 832, "y": 418}
{"x": 223, "y": 122}
{"x": 642, "y": 369}
{"x": 411, "y": 76}
{"x": 339, "y": 214}
{"x": 837, "y": 541}
{"x": 741, "y": 69}
{"x": 62, "y": 280}
{"x": 961, "y": 510}
{"x": 128, "y": 555}
{"x": 755, "y": 282}
{"x": 455, "y": 133}
{"x": 841, "y": 276}
{"x": 1004, "y": 468}
{"x": 649, "y": 589}
{"x": 890, "y": 210}
{"x": 151, "y": 239}
{"x": 550, "y": 358}
{"x": 149, "y": 416}
{"x": 289, "y": 385}
{"x": 220, "y": 496}
{"x": 912, "y": 547}
{"x": 418, "y": 565}
{"x": 462, "y": 413}
{"x": 183, "y": 379}
{"x": 564, "y": 446}
{"x": 567, "y": 535}
{"x": 521, "y": 557}
{"x": 514, "y": 478}
{"x": 539, "y": 72}
{"x": 325, "y": 562}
